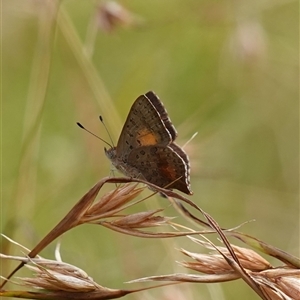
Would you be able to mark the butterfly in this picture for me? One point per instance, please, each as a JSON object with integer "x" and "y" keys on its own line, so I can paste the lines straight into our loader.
{"x": 146, "y": 148}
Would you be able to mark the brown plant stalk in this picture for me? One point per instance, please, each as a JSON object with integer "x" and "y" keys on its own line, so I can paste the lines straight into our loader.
{"x": 81, "y": 213}
{"x": 226, "y": 263}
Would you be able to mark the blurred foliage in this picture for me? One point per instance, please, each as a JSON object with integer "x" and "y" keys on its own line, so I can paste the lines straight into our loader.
{"x": 225, "y": 69}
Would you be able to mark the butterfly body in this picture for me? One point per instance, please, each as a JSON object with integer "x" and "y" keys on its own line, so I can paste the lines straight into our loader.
{"x": 146, "y": 148}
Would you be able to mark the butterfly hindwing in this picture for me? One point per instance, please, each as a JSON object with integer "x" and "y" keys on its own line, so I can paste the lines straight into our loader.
{"x": 156, "y": 165}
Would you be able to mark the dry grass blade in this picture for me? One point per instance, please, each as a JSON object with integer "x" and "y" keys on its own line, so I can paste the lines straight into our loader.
{"x": 181, "y": 277}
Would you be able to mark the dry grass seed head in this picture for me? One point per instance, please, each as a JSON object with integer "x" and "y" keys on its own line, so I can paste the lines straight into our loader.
{"x": 60, "y": 280}
{"x": 141, "y": 220}
{"x": 208, "y": 264}
{"x": 282, "y": 280}
{"x": 113, "y": 200}
{"x": 248, "y": 258}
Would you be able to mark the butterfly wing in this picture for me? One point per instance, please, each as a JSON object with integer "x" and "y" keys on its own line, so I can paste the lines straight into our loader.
{"x": 163, "y": 113}
{"x": 162, "y": 166}
{"x": 147, "y": 124}
{"x": 181, "y": 153}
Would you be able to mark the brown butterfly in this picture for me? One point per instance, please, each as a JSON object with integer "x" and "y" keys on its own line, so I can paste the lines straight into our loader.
{"x": 146, "y": 148}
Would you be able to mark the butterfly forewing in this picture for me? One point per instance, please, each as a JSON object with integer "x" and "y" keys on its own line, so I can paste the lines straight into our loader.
{"x": 163, "y": 113}
{"x": 143, "y": 127}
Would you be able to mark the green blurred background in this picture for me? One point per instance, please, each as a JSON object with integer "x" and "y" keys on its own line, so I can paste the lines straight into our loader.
{"x": 225, "y": 69}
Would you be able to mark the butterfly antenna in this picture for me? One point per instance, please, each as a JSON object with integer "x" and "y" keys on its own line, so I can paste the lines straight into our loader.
{"x": 101, "y": 120}
{"x": 81, "y": 126}
{"x": 193, "y": 136}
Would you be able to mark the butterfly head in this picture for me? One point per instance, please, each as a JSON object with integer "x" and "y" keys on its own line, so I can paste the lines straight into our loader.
{"x": 111, "y": 153}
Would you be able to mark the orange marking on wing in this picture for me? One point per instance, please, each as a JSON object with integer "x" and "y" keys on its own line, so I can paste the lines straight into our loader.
{"x": 169, "y": 172}
{"x": 147, "y": 137}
